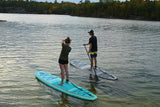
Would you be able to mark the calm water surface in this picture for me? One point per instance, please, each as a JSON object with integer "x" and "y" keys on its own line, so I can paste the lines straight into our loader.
{"x": 128, "y": 49}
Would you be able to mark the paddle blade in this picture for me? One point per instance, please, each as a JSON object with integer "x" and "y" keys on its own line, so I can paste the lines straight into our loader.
{"x": 96, "y": 78}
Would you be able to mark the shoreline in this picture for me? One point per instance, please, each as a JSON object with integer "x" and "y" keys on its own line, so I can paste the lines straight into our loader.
{"x": 131, "y": 18}
{"x": 3, "y": 20}
{"x": 132, "y": 10}
{"x": 136, "y": 18}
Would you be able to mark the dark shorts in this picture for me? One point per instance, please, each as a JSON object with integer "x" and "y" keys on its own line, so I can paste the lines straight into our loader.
{"x": 93, "y": 54}
{"x": 62, "y": 61}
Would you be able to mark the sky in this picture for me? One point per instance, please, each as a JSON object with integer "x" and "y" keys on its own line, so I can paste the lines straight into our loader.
{"x": 74, "y": 1}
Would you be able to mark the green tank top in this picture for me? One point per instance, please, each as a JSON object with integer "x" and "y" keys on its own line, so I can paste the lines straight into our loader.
{"x": 65, "y": 52}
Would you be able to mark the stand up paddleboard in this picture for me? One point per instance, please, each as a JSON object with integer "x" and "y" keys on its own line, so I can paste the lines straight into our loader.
{"x": 67, "y": 88}
{"x": 100, "y": 73}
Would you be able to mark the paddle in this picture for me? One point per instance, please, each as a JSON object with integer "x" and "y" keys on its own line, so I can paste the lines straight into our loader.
{"x": 96, "y": 77}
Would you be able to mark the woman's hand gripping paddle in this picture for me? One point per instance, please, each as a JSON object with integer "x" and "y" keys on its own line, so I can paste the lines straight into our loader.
{"x": 96, "y": 77}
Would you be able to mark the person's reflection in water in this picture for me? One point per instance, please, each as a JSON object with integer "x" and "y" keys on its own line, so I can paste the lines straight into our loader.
{"x": 92, "y": 84}
{"x": 64, "y": 100}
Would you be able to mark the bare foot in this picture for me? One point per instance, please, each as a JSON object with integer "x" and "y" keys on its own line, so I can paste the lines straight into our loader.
{"x": 60, "y": 84}
{"x": 90, "y": 69}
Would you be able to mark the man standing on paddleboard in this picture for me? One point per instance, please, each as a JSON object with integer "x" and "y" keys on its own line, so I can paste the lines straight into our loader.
{"x": 92, "y": 49}
{"x": 63, "y": 59}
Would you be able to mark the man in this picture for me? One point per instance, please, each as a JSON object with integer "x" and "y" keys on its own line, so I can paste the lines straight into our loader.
{"x": 92, "y": 49}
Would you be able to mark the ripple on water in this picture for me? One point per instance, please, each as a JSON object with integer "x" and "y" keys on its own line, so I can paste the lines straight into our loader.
{"x": 128, "y": 49}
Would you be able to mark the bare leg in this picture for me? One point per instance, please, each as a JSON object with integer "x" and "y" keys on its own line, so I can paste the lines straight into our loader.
{"x": 91, "y": 64}
{"x": 67, "y": 73}
{"x": 95, "y": 60}
{"x": 62, "y": 73}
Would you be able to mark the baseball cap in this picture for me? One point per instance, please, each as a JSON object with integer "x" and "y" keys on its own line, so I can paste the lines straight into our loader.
{"x": 91, "y": 31}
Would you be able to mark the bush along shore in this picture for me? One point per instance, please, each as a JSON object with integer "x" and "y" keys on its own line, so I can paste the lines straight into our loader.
{"x": 134, "y": 9}
{"x": 2, "y": 20}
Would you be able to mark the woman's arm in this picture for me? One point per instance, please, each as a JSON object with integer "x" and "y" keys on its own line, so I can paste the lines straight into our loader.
{"x": 63, "y": 41}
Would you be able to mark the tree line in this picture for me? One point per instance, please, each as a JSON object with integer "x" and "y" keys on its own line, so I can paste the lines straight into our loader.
{"x": 134, "y": 9}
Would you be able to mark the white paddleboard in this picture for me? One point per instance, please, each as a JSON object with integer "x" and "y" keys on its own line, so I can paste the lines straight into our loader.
{"x": 100, "y": 73}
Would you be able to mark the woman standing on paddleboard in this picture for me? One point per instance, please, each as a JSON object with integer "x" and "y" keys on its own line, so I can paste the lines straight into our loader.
{"x": 63, "y": 59}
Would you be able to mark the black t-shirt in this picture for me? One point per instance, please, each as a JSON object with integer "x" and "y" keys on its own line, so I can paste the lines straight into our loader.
{"x": 93, "y": 41}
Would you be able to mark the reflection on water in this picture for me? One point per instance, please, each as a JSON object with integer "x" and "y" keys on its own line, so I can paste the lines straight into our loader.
{"x": 92, "y": 84}
{"x": 64, "y": 100}
{"x": 127, "y": 49}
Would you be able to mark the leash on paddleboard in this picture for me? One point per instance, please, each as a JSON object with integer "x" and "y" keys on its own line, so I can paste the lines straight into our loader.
{"x": 96, "y": 77}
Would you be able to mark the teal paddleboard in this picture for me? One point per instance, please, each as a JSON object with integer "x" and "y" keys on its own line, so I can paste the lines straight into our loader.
{"x": 67, "y": 88}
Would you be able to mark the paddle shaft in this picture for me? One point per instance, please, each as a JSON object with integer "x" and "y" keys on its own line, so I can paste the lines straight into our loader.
{"x": 87, "y": 53}
{"x": 90, "y": 60}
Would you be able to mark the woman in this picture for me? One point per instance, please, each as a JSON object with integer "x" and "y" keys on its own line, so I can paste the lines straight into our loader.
{"x": 63, "y": 59}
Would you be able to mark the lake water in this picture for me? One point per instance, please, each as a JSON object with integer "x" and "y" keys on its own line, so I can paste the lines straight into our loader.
{"x": 128, "y": 49}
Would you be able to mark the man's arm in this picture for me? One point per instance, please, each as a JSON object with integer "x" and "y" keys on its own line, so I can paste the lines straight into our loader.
{"x": 90, "y": 47}
{"x": 85, "y": 44}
